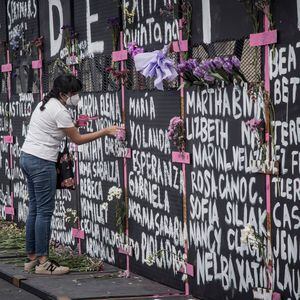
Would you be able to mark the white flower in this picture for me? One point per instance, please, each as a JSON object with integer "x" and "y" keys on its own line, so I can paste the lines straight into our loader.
{"x": 150, "y": 261}
{"x": 110, "y": 198}
{"x": 246, "y": 233}
{"x": 178, "y": 265}
{"x": 105, "y": 205}
{"x": 184, "y": 277}
{"x": 112, "y": 190}
{"x": 244, "y": 236}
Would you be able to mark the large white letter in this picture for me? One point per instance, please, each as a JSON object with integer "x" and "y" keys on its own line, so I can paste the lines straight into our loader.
{"x": 298, "y": 14}
{"x": 95, "y": 46}
{"x": 206, "y": 19}
{"x": 55, "y": 44}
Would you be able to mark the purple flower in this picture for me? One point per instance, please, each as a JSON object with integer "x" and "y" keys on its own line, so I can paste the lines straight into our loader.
{"x": 209, "y": 77}
{"x": 199, "y": 72}
{"x": 121, "y": 135}
{"x": 218, "y": 62}
{"x": 187, "y": 66}
{"x": 228, "y": 66}
{"x": 176, "y": 132}
{"x": 170, "y": 133}
{"x": 255, "y": 124}
{"x": 236, "y": 62}
{"x": 175, "y": 121}
{"x": 192, "y": 63}
{"x": 133, "y": 49}
{"x": 181, "y": 68}
{"x": 206, "y": 65}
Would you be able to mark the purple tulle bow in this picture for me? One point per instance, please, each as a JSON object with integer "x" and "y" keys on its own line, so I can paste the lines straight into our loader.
{"x": 155, "y": 64}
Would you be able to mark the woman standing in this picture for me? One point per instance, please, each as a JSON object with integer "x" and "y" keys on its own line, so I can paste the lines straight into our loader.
{"x": 50, "y": 123}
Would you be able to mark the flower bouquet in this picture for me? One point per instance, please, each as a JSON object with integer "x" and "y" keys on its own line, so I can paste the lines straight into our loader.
{"x": 176, "y": 133}
{"x": 71, "y": 217}
{"x": 256, "y": 242}
{"x": 258, "y": 127}
{"x": 115, "y": 193}
{"x": 211, "y": 71}
{"x": 180, "y": 262}
{"x": 121, "y": 143}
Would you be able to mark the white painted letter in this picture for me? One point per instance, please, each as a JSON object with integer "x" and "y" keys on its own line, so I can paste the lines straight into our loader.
{"x": 93, "y": 47}
{"x": 55, "y": 44}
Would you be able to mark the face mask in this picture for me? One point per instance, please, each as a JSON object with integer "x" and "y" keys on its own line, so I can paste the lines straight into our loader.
{"x": 73, "y": 100}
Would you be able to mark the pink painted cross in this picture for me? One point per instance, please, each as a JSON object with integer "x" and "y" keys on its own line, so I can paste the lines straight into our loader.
{"x": 128, "y": 153}
{"x": 119, "y": 55}
{"x": 6, "y": 68}
{"x": 263, "y": 38}
{"x": 9, "y": 210}
{"x": 125, "y": 249}
{"x": 189, "y": 269}
{"x": 77, "y": 233}
{"x": 181, "y": 157}
{"x": 8, "y": 139}
{"x": 37, "y": 64}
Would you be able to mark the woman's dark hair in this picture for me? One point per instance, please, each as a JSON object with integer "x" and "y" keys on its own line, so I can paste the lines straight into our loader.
{"x": 62, "y": 84}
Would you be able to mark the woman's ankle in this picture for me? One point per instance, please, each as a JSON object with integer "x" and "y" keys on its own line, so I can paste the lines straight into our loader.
{"x": 31, "y": 256}
{"x": 43, "y": 259}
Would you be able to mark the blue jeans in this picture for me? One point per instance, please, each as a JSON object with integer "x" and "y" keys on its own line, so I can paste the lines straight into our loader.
{"x": 41, "y": 182}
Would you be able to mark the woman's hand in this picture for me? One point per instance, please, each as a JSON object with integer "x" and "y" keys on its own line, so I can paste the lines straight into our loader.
{"x": 112, "y": 130}
{"x": 80, "y": 139}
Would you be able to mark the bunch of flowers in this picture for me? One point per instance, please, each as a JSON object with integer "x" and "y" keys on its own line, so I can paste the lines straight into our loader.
{"x": 186, "y": 12}
{"x": 120, "y": 142}
{"x": 16, "y": 38}
{"x": 121, "y": 135}
{"x": 71, "y": 50}
{"x": 258, "y": 127}
{"x": 253, "y": 239}
{"x": 117, "y": 75}
{"x": 114, "y": 193}
{"x": 176, "y": 133}
{"x": 255, "y": 90}
{"x": 263, "y": 6}
{"x": 120, "y": 208}
{"x": 134, "y": 49}
{"x": 71, "y": 216}
{"x": 179, "y": 261}
{"x": 71, "y": 258}
{"x": 11, "y": 237}
{"x": 211, "y": 71}
{"x": 59, "y": 64}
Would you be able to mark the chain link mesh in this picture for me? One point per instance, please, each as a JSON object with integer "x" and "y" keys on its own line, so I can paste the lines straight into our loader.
{"x": 93, "y": 73}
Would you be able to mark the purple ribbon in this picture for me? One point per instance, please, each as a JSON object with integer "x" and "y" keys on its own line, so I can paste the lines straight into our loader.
{"x": 156, "y": 65}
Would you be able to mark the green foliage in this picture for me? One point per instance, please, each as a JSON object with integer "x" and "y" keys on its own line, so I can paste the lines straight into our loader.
{"x": 65, "y": 256}
{"x": 13, "y": 238}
